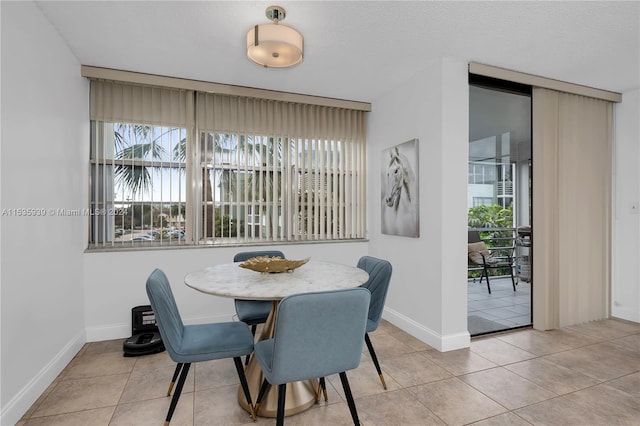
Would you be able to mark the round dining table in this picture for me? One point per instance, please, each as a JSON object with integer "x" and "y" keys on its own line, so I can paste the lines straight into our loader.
{"x": 231, "y": 280}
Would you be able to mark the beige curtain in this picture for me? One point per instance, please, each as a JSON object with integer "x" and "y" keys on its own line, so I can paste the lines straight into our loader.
{"x": 572, "y": 156}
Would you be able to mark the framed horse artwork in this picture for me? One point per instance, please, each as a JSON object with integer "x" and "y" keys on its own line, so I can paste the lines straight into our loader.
{"x": 400, "y": 197}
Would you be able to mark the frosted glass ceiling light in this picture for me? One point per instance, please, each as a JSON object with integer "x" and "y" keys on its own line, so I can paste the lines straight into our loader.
{"x": 275, "y": 45}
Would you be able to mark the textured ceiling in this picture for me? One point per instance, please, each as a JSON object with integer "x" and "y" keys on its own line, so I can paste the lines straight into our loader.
{"x": 357, "y": 49}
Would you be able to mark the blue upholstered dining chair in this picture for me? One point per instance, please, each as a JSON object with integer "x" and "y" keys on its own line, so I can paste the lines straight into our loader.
{"x": 316, "y": 334}
{"x": 254, "y": 312}
{"x": 379, "y": 276}
{"x": 193, "y": 343}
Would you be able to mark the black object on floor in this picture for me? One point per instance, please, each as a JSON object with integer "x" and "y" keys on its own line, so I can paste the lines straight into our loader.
{"x": 145, "y": 337}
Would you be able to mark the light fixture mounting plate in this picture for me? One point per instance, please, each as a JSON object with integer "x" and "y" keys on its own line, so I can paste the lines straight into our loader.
{"x": 275, "y": 13}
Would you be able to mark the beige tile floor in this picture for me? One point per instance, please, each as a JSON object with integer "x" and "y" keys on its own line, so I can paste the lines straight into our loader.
{"x": 582, "y": 375}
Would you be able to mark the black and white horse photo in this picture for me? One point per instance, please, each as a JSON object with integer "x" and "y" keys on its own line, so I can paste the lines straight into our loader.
{"x": 400, "y": 207}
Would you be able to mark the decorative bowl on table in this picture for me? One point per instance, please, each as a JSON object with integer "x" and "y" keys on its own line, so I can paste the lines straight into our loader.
{"x": 266, "y": 264}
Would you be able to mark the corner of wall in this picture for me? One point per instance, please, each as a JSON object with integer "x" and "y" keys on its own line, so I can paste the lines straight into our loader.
{"x": 442, "y": 343}
{"x": 20, "y": 403}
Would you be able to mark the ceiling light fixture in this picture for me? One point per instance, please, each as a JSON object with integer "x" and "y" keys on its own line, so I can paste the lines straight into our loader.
{"x": 275, "y": 45}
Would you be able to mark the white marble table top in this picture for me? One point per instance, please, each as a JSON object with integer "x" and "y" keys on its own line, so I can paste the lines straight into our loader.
{"x": 230, "y": 280}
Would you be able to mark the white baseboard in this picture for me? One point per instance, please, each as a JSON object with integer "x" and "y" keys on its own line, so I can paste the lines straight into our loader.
{"x": 13, "y": 411}
{"x": 108, "y": 332}
{"x": 442, "y": 343}
{"x": 122, "y": 331}
{"x": 628, "y": 314}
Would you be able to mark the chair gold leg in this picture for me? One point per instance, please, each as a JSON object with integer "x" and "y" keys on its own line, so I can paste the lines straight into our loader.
{"x": 245, "y": 386}
{"x": 374, "y": 358}
{"x": 322, "y": 386}
{"x": 384, "y": 384}
{"x": 261, "y": 393}
{"x": 175, "y": 377}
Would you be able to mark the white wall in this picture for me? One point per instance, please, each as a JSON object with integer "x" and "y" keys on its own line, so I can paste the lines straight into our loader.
{"x": 114, "y": 282}
{"x": 428, "y": 294}
{"x": 44, "y": 135}
{"x": 625, "y": 289}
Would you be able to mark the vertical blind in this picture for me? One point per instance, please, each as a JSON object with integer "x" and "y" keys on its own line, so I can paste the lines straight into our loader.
{"x": 572, "y": 163}
{"x": 130, "y": 103}
{"x": 177, "y": 166}
{"x": 295, "y": 171}
{"x": 137, "y": 163}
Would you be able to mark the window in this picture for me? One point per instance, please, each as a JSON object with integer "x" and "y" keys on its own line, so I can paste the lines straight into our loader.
{"x": 137, "y": 183}
{"x": 176, "y": 167}
{"x": 481, "y": 173}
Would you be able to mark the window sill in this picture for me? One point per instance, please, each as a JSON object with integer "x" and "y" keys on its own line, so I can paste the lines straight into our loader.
{"x": 148, "y": 247}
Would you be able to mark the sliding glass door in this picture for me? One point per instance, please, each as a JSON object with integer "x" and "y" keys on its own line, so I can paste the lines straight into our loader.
{"x": 499, "y": 205}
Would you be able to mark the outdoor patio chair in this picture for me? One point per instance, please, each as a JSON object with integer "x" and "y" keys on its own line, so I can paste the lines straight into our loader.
{"x": 489, "y": 258}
